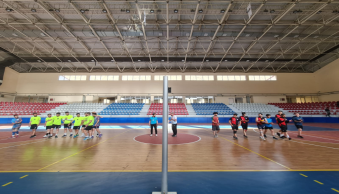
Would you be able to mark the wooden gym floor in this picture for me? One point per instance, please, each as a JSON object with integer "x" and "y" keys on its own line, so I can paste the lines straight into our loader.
{"x": 118, "y": 156}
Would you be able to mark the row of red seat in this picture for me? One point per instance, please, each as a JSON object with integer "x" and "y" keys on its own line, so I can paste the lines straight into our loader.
{"x": 176, "y": 108}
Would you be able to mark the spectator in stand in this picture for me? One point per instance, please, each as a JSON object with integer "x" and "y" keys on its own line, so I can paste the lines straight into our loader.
{"x": 328, "y": 112}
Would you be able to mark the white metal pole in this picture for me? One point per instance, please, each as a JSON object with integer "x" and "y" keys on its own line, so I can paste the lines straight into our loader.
{"x": 164, "y": 185}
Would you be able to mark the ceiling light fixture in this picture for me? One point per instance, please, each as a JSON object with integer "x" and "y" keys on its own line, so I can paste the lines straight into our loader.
{"x": 151, "y": 11}
{"x": 112, "y": 60}
{"x": 127, "y": 10}
{"x": 319, "y": 12}
{"x": 222, "y": 11}
{"x": 14, "y": 34}
{"x": 139, "y": 60}
{"x": 57, "y": 10}
{"x": 92, "y": 60}
{"x": 265, "y": 10}
{"x": 39, "y": 61}
{"x": 272, "y": 11}
{"x": 69, "y": 60}
{"x": 225, "y": 59}
{"x": 42, "y": 34}
{"x": 315, "y": 36}
{"x": 104, "y": 11}
{"x": 183, "y": 60}
{"x": 82, "y": 10}
{"x": 33, "y": 10}
{"x": 176, "y": 11}
{"x": 276, "y": 36}
{"x": 296, "y": 36}
{"x": 162, "y": 60}
{"x": 207, "y": 60}
{"x": 200, "y": 10}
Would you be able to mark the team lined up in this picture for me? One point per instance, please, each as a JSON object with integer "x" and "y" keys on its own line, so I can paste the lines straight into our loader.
{"x": 88, "y": 125}
{"x": 263, "y": 123}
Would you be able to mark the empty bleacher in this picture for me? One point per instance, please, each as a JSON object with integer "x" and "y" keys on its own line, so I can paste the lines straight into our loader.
{"x": 77, "y": 108}
{"x": 311, "y": 108}
{"x": 176, "y": 108}
{"x": 252, "y": 109}
{"x": 25, "y": 108}
{"x": 122, "y": 109}
{"x": 209, "y": 108}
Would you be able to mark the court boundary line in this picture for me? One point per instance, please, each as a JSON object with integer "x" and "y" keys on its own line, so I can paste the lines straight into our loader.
{"x": 80, "y": 151}
{"x": 64, "y": 171}
{"x": 168, "y": 144}
{"x": 256, "y": 153}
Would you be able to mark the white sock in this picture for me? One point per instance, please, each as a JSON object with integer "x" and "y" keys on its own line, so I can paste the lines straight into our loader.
{"x": 288, "y": 136}
{"x": 281, "y": 135}
{"x": 65, "y": 133}
{"x": 86, "y": 136}
{"x": 71, "y": 133}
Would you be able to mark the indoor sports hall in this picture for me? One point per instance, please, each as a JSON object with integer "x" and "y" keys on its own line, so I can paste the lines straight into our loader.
{"x": 169, "y": 96}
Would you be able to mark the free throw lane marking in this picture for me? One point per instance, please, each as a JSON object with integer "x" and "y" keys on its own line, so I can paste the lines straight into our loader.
{"x": 256, "y": 153}
{"x": 335, "y": 190}
{"x": 23, "y": 176}
{"x": 318, "y": 182}
{"x": 7, "y": 184}
{"x": 80, "y": 151}
{"x": 303, "y": 175}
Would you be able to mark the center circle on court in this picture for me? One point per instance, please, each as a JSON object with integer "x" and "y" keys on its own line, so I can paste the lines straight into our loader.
{"x": 180, "y": 139}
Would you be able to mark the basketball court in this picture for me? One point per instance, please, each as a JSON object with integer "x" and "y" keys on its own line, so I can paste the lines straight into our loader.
{"x": 128, "y": 160}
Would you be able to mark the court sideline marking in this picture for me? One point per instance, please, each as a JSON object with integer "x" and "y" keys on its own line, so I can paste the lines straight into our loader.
{"x": 255, "y": 152}
{"x": 306, "y": 143}
{"x": 80, "y": 151}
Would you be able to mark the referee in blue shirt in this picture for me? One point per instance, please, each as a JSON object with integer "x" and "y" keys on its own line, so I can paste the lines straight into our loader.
{"x": 153, "y": 122}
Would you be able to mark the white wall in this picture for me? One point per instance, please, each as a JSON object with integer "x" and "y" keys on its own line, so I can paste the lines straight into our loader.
{"x": 48, "y": 83}
{"x": 69, "y": 98}
{"x": 10, "y": 81}
{"x": 268, "y": 99}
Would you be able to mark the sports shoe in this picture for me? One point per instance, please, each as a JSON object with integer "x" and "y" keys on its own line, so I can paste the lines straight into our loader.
{"x": 282, "y": 137}
{"x": 300, "y": 136}
{"x": 289, "y": 138}
{"x": 86, "y": 138}
{"x": 278, "y": 134}
{"x": 71, "y": 135}
{"x": 156, "y": 135}
{"x": 100, "y": 135}
{"x": 216, "y": 135}
{"x": 151, "y": 135}
{"x": 245, "y": 136}
{"x": 56, "y": 136}
{"x": 45, "y": 136}
{"x": 265, "y": 136}
{"x": 50, "y": 136}
{"x": 176, "y": 135}
{"x": 274, "y": 137}
{"x": 261, "y": 137}
{"x": 32, "y": 136}
{"x": 75, "y": 136}
{"x": 92, "y": 137}
{"x": 13, "y": 136}
{"x": 64, "y": 136}
{"x": 235, "y": 138}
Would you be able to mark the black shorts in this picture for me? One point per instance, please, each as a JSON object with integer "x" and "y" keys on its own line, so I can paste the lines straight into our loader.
{"x": 83, "y": 126}
{"x": 261, "y": 126}
{"x": 56, "y": 126}
{"x": 88, "y": 128}
{"x": 69, "y": 126}
{"x": 34, "y": 126}
{"x": 244, "y": 126}
{"x": 49, "y": 127}
{"x": 283, "y": 128}
{"x": 76, "y": 127}
{"x": 235, "y": 127}
{"x": 215, "y": 128}
{"x": 270, "y": 128}
{"x": 299, "y": 126}
{"x": 96, "y": 127}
